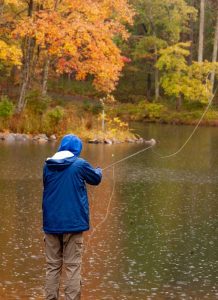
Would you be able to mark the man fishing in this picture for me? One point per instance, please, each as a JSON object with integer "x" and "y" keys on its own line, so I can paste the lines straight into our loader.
{"x": 66, "y": 215}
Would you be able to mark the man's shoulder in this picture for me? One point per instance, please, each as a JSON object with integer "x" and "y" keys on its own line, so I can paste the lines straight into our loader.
{"x": 80, "y": 161}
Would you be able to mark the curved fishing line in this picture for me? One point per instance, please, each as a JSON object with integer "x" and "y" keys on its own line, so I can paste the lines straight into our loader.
{"x": 112, "y": 193}
{"x": 140, "y": 151}
{"x": 91, "y": 195}
{"x": 106, "y": 215}
{"x": 192, "y": 133}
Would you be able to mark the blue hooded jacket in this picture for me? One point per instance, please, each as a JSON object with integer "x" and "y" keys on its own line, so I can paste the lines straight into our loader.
{"x": 65, "y": 202}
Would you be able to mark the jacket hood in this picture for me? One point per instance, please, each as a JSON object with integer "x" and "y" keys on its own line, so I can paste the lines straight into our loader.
{"x": 71, "y": 143}
{"x": 60, "y": 160}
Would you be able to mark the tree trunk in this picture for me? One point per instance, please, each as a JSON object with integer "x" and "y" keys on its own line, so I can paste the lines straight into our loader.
{"x": 103, "y": 118}
{"x": 1, "y": 7}
{"x": 201, "y": 31}
{"x": 157, "y": 87}
{"x": 47, "y": 64}
{"x": 35, "y": 59}
{"x": 30, "y": 8}
{"x": 191, "y": 37}
{"x": 156, "y": 78}
{"x": 27, "y": 58}
{"x": 214, "y": 57}
{"x": 56, "y": 4}
{"x": 45, "y": 77}
{"x": 148, "y": 86}
{"x": 25, "y": 77}
{"x": 179, "y": 102}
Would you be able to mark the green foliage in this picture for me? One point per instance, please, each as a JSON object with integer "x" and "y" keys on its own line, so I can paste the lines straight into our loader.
{"x": 73, "y": 87}
{"x": 132, "y": 85}
{"x": 150, "y": 110}
{"x": 86, "y": 105}
{"x": 147, "y": 46}
{"x": 180, "y": 79}
{"x": 165, "y": 19}
{"x": 55, "y": 115}
{"x": 193, "y": 105}
{"x": 6, "y": 107}
{"x": 189, "y": 117}
{"x": 154, "y": 110}
{"x": 161, "y": 23}
{"x": 94, "y": 108}
{"x": 36, "y": 103}
{"x": 173, "y": 58}
{"x": 138, "y": 112}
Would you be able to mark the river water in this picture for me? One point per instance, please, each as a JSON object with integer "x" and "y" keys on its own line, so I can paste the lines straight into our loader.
{"x": 159, "y": 240}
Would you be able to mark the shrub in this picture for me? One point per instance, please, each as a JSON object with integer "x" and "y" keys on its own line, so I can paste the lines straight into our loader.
{"x": 6, "y": 107}
{"x": 86, "y": 105}
{"x": 154, "y": 110}
{"x": 36, "y": 103}
{"x": 55, "y": 115}
{"x": 94, "y": 108}
{"x": 193, "y": 105}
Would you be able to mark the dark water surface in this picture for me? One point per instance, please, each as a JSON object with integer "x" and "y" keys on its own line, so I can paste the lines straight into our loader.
{"x": 159, "y": 240}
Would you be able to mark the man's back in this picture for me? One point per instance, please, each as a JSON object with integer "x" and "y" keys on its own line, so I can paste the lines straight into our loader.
{"x": 65, "y": 201}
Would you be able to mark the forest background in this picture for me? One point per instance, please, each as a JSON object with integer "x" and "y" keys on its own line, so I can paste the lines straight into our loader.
{"x": 92, "y": 66}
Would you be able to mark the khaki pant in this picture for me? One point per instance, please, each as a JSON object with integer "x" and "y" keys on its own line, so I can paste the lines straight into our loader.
{"x": 67, "y": 249}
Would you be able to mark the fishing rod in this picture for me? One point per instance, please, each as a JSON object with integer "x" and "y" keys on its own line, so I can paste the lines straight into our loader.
{"x": 152, "y": 144}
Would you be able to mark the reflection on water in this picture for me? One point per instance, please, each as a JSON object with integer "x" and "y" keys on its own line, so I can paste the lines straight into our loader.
{"x": 160, "y": 238}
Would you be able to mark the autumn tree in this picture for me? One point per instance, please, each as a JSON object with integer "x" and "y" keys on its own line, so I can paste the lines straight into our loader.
{"x": 181, "y": 80}
{"x": 74, "y": 36}
{"x": 13, "y": 11}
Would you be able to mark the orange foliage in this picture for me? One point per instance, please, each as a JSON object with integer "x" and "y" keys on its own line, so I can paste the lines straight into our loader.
{"x": 79, "y": 36}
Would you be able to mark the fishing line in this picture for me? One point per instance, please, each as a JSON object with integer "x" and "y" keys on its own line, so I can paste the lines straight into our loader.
{"x": 192, "y": 133}
{"x": 127, "y": 157}
{"x": 86, "y": 246}
{"x": 112, "y": 192}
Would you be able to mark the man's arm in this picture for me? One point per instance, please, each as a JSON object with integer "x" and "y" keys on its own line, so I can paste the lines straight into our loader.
{"x": 91, "y": 175}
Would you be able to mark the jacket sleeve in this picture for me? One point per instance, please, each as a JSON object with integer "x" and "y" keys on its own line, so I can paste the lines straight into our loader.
{"x": 91, "y": 175}
{"x": 44, "y": 175}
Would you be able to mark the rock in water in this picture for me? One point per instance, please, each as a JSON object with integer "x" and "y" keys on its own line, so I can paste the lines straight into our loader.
{"x": 10, "y": 137}
{"x": 151, "y": 142}
{"x": 21, "y": 137}
{"x": 94, "y": 141}
{"x": 41, "y": 138}
{"x": 52, "y": 137}
{"x": 108, "y": 141}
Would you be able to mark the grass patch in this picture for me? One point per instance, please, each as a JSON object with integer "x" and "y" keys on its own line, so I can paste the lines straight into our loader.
{"x": 158, "y": 112}
{"x": 43, "y": 115}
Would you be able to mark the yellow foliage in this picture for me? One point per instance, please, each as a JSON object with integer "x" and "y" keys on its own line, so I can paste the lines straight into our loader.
{"x": 14, "y": 2}
{"x": 180, "y": 79}
{"x": 10, "y": 54}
